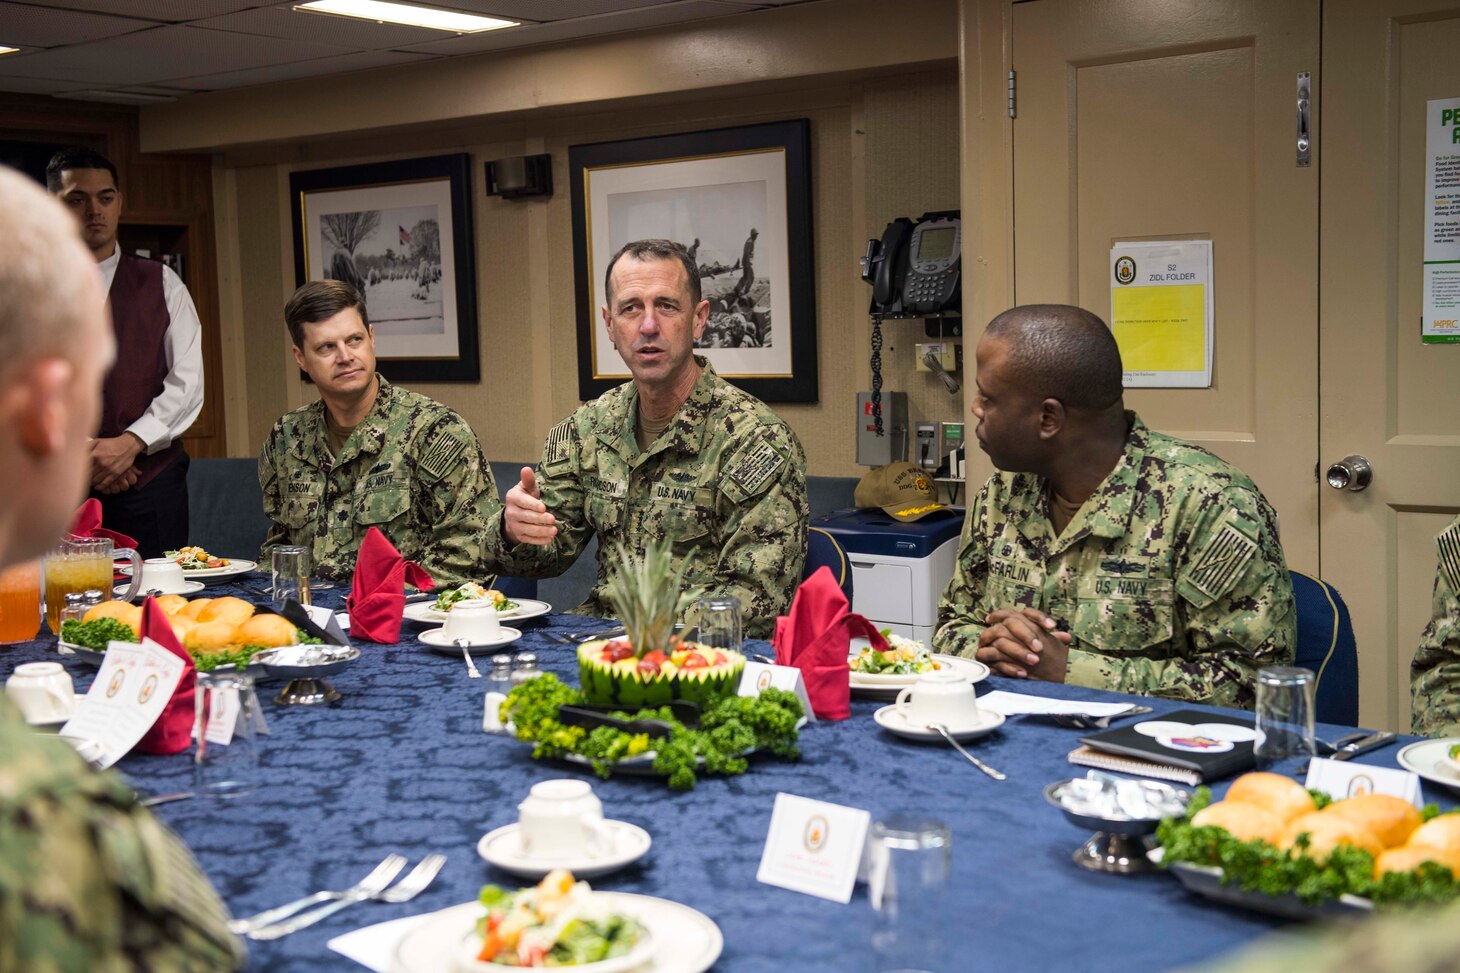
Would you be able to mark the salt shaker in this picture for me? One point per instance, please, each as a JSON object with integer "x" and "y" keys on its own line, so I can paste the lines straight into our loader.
{"x": 499, "y": 677}
{"x": 524, "y": 667}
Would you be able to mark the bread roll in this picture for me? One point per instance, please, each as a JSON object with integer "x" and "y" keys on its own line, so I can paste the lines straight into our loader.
{"x": 181, "y": 625}
{"x": 1245, "y": 822}
{"x": 1410, "y": 857}
{"x": 209, "y": 637}
{"x": 268, "y": 630}
{"x": 1327, "y": 831}
{"x": 1441, "y": 833}
{"x": 128, "y": 615}
{"x": 233, "y": 610}
{"x": 195, "y": 607}
{"x": 1281, "y": 795}
{"x": 171, "y": 604}
{"x": 1390, "y": 819}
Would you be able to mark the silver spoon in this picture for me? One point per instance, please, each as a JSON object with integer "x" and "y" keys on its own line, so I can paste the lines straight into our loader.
{"x": 471, "y": 667}
{"x": 940, "y": 728}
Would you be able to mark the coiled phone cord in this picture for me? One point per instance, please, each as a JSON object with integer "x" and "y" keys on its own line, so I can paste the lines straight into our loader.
{"x": 877, "y": 373}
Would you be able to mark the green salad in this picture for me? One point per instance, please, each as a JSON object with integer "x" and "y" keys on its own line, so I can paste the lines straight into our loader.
{"x": 96, "y": 634}
{"x": 557, "y": 922}
{"x": 904, "y": 657}
{"x": 473, "y": 591}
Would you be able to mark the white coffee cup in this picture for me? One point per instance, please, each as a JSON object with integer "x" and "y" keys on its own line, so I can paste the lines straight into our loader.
{"x": 42, "y": 691}
{"x": 474, "y": 620}
{"x": 563, "y": 819}
{"x": 941, "y": 696}
{"x": 163, "y": 574}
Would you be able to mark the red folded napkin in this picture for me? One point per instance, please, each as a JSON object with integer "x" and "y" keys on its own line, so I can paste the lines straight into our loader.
{"x": 173, "y": 730}
{"x": 88, "y": 524}
{"x": 378, "y": 596}
{"x": 815, "y": 638}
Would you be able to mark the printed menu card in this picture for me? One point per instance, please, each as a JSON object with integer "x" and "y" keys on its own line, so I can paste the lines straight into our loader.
{"x": 128, "y": 695}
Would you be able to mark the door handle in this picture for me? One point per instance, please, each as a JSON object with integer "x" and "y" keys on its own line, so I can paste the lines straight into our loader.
{"x": 1350, "y": 473}
{"x": 1305, "y": 139}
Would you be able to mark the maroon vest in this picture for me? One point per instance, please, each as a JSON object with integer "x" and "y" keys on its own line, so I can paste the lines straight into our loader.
{"x": 140, "y": 321}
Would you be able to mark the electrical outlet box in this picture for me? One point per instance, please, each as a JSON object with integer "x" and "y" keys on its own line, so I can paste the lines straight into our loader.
{"x": 946, "y": 352}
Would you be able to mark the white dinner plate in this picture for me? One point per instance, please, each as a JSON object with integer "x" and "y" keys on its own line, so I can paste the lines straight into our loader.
{"x": 503, "y": 848}
{"x": 436, "y": 638}
{"x": 233, "y": 568}
{"x": 189, "y": 588}
{"x": 422, "y": 611}
{"x": 1427, "y": 758}
{"x": 890, "y": 719}
{"x": 887, "y": 687}
{"x": 685, "y": 940}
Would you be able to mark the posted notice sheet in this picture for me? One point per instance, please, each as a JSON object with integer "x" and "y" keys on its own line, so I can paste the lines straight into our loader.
{"x": 1442, "y": 223}
{"x": 1161, "y": 312}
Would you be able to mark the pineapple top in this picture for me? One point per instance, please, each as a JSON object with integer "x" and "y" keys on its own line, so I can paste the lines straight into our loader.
{"x": 647, "y": 591}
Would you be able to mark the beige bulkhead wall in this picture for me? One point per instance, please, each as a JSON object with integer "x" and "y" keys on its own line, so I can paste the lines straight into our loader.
{"x": 882, "y": 146}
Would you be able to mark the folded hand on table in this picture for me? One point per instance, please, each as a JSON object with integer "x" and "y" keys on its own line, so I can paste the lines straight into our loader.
{"x": 1024, "y": 643}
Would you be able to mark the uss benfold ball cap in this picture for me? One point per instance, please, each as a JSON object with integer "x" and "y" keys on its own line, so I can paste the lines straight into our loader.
{"x": 902, "y": 490}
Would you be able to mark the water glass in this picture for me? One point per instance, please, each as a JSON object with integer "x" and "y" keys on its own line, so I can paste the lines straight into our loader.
{"x": 290, "y": 575}
{"x": 1284, "y": 715}
{"x": 20, "y": 602}
{"x": 226, "y": 708}
{"x": 908, "y": 884}
{"x": 718, "y": 617}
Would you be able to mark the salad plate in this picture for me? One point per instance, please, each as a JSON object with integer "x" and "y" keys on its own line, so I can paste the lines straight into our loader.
{"x": 986, "y": 722}
{"x": 886, "y": 686}
{"x": 426, "y": 613}
{"x": 503, "y": 848}
{"x": 684, "y": 940}
{"x": 1430, "y": 759}
{"x": 234, "y": 568}
{"x": 439, "y": 641}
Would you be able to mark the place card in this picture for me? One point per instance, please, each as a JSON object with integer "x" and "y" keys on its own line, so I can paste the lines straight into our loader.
{"x": 134, "y": 684}
{"x": 1341, "y": 778}
{"x": 814, "y": 847}
{"x": 763, "y": 675}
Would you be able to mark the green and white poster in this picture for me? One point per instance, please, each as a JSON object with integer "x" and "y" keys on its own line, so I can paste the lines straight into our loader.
{"x": 1442, "y": 223}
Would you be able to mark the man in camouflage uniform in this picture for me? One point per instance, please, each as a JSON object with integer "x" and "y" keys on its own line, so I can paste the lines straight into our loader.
{"x": 1107, "y": 555}
{"x": 89, "y": 881}
{"x": 676, "y": 452}
{"x": 1435, "y": 671}
{"x": 369, "y": 454}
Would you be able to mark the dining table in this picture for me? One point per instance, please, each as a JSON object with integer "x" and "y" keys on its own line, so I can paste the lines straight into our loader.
{"x": 401, "y": 764}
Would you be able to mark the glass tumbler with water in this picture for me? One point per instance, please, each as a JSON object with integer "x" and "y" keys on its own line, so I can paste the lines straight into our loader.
{"x": 225, "y": 757}
{"x": 908, "y": 880}
{"x": 718, "y": 619}
{"x": 290, "y": 575}
{"x": 1284, "y": 715}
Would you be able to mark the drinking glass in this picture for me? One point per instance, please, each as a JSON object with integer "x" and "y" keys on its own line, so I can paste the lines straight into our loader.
{"x": 20, "y": 602}
{"x": 908, "y": 884}
{"x": 225, "y": 701}
{"x": 718, "y": 617}
{"x": 79, "y": 563}
{"x": 290, "y": 575}
{"x": 1284, "y": 715}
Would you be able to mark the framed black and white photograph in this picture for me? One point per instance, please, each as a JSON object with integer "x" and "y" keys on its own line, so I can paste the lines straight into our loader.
{"x": 401, "y": 233}
{"x": 739, "y": 199}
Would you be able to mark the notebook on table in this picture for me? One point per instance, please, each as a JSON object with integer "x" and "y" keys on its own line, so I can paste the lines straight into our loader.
{"x": 1190, "y": 746}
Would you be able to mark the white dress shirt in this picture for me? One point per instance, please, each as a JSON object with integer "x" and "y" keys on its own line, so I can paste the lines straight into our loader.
{"x": 181, "y": 399}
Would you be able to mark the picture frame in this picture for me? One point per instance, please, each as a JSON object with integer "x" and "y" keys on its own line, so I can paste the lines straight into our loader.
{"x": 728, "y": 194}
{"x": 400, "y": 231}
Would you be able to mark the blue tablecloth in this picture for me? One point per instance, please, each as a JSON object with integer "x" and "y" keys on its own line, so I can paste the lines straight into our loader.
{"x": 401, "y": 764}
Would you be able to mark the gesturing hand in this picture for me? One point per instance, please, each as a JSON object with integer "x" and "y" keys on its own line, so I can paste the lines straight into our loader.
{"x": 525, "y": 519}
{"x": 1023, "y": 642}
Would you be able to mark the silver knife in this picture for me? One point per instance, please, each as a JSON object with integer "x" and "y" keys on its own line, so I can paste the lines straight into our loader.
{"x": 1371, "y": 742}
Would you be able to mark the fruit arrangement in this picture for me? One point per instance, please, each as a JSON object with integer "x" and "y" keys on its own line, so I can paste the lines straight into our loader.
{"x": 648, "y": 665}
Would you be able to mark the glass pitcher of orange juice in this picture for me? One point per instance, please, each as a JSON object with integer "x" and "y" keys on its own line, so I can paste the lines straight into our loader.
{"x": 20, "y": 602}
{"x": 81, "y": 564}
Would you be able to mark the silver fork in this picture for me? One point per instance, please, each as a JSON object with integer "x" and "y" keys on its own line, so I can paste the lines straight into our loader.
{"x": 414, "y": 883}
{"x": 379, "y": 878}
{"x": 360, "y": 894}
{"x": 471, "y": 667}
{"x": 1084, "y": 721}
{"x": 578, "y": 638}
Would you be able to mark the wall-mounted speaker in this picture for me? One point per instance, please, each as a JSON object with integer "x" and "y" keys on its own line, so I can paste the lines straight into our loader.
{"x": 520, "y": 176}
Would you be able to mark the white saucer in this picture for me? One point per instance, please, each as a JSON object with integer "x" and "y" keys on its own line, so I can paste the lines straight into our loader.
{"x": 1430, "y": 760}
{"x": 436, "y": 639}
{"x": 889, "y": 719}
{"x": 189, "y": 588}
{"x": 503, "y": 848}
{"x": 52, "y": 724}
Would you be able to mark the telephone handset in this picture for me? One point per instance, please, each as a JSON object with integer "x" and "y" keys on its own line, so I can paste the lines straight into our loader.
{"x": 915, "y": 268}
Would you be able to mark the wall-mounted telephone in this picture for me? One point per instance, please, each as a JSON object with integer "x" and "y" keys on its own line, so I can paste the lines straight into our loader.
{"x": 915, "y": 269}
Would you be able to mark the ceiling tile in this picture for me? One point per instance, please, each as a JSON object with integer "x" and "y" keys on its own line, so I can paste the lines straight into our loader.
{"x": 529, "y": 35}
{"x": 544, "y": 10}
{"x": 321, "y": 28}
{"x": 163, "y": 53}
{"x": 299, "y": 69}
{"x": 24, "y": 25}
{"x": 167, "y": 11}
{"x": 39, "y": 86}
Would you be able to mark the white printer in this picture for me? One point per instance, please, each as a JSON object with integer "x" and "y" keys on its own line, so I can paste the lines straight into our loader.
{"x": 898, "y": 570}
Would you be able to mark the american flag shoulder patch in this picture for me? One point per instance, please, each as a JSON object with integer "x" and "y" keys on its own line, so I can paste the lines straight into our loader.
{"x": 441, "y": 456}
{"x": 559, "y": 446}
{"x": 1449, "y": 550}
{"x": 1221, "y": 563}
{"x": 758, "y": 466}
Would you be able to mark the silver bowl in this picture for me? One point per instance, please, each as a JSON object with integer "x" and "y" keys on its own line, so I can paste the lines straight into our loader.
{"x": 1119, "y": 843}
{"x": 305, "y": 667}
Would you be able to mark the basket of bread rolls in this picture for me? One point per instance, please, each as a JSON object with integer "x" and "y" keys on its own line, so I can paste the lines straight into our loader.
{"x": 215, "y": 631}
{"x": 1273, "y": 845}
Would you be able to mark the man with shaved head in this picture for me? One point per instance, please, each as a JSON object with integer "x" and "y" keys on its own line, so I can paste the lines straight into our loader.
{"x": 1105, "y": 554}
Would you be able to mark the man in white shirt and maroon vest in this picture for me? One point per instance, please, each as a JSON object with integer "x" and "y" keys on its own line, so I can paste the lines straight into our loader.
{"x": 155, "y": 389}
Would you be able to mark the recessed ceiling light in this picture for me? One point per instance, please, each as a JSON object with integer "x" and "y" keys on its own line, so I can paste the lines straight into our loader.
{"x": 385, "y": 12}
{"x": 8, "y": 50}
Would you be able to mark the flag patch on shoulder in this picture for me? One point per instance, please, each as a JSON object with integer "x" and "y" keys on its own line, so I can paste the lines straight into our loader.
{"x": 1449, "y": 549}
{"x": 442, "y": 455}
{"x": 757, "y": 468}
{"x": 559, "y": 442}
{"x": 1222, "y": 561}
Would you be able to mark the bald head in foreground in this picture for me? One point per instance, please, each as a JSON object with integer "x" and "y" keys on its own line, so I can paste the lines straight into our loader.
{"x": 119, "y": 890}
{"x": 1102, "y": 553}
